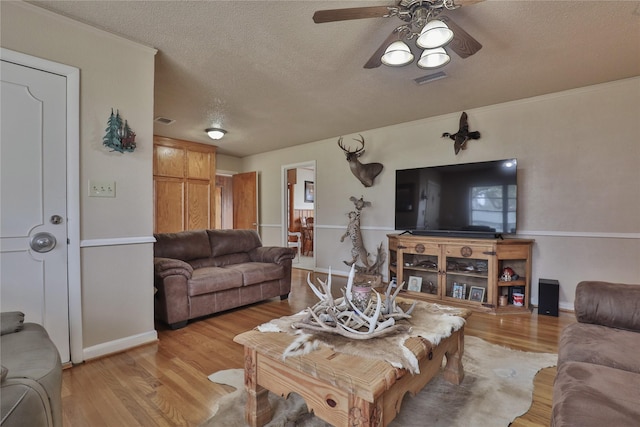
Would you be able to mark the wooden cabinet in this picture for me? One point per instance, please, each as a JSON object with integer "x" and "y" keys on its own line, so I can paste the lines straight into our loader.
{"x": 462, "y": 271}
{"x": 184, "y": 175}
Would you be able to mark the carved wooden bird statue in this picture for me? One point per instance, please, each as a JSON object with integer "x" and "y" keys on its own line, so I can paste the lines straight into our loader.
{"x": 463, "y": 135}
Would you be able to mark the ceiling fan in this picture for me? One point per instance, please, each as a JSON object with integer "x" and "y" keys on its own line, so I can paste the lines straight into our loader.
{"x": 420, "y": 17}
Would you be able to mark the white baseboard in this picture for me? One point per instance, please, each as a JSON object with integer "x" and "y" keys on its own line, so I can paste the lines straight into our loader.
{"x": 119, "y": 345}
{"x": 568, "y": 306}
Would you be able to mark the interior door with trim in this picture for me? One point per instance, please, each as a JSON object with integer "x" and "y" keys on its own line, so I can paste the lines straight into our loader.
{"x": 33, "y": 204}
{"x": 245, "y": 201}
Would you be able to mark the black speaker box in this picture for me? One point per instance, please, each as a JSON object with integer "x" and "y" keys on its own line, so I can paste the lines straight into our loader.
{"x": 548, "y": 296}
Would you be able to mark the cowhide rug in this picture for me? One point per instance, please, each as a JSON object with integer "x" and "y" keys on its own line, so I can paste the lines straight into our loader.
{"x": 497, "y": 388}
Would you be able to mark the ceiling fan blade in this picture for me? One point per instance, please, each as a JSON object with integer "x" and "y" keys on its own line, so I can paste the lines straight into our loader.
{"x": 466, "y": 2}
{"x": 376, "y": 59}
{"x": 462, "y": 44}
{"x": 332, "y": 15}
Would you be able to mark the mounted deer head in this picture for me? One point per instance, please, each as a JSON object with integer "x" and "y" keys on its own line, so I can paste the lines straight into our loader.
{"x": 366, "y": 173}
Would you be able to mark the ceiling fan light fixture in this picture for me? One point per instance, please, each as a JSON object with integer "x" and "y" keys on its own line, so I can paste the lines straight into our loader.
{"x": 215, "y": 133}
{"x": 397, "y": 54}
{"x": 434, "y": 58}
{"x": 435, "y": 34}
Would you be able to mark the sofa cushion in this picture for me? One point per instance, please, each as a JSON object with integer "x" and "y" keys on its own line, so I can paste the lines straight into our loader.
{"x": 616, "y": 348}
{"x": 610, "y": 304}
{"x": 30, "y": 353}
{"x": 225, "y": 242}
{"x": 586, "y": 395}
{"x": 221, "y": 261}
{"x": 185, "y": 245}
{"x": 213, "y": 279}
{"x": 257, "y": 272}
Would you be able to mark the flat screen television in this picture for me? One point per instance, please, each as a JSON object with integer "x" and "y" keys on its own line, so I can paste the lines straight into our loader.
{"x": 471, "y": 199}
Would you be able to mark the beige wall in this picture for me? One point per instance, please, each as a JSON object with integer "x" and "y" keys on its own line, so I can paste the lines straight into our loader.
{"x": 579, "y": 181}
{"x": 228, "y": 163}
{"x": 116, "y": 263}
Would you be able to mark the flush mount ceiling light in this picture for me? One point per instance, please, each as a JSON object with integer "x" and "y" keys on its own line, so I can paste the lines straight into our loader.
{"x": 434, "y": 58}
{"x": 434, "y": 34}
{"x": 215, "y": 133}
{"x": 397, "y": 54}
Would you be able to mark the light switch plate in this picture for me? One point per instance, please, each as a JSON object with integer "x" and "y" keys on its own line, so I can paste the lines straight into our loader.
{"x": 102, "y": 188}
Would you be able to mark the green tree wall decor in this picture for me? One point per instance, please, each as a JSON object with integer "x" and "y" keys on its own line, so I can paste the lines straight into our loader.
{"x": 119, "y": 136}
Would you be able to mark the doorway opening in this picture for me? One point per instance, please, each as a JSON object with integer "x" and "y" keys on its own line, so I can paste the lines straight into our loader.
{"x": 299, "y": 212}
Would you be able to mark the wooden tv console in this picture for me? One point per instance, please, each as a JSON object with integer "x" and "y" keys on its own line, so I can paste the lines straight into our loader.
{"x": 462, "y": 271}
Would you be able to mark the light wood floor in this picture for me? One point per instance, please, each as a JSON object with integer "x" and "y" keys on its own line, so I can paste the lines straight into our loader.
{"x": 165, "y": 384}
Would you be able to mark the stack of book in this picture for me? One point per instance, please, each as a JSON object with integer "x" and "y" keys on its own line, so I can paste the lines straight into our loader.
{"x": 459, "y": 290}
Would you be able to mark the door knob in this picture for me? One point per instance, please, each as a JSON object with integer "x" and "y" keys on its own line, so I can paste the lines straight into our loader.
{"x": 43, "y": 242}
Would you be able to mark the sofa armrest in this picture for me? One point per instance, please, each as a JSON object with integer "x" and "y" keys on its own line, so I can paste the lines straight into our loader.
{"x": 273, "y": 254}
{"x": 171, "y": 302}
{"x": 26, "y": 403}
{"x": 614, "y": 305}
{"x": 164, "y": 267}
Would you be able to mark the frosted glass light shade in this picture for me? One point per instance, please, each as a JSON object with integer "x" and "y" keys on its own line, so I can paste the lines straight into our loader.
{"x": 434, "y": 58}
{"x": 215, "y": 133}
{"x": 397, "y": 54}
{"x": 434, "y": 34}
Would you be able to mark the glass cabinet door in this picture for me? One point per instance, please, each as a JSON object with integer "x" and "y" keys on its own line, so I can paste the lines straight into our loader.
{"x": 420, "y": 269}
{"x": 467, "y": 273}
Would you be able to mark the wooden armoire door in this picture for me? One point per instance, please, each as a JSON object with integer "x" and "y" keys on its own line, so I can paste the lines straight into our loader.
{"x": 184, "y": 185}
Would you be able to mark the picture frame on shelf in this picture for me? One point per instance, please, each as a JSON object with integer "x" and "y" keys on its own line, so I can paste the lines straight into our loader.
{"x": 476, "y": 293}
{"x": 459, "y": 290}
{"x": 414, "y": 283}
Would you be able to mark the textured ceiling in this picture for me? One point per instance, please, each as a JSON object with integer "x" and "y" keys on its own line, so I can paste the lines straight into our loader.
{"x": 266, "y": 73}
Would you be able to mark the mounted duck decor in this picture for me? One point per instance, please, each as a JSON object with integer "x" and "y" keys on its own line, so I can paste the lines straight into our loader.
{"x": 463, "y": 135}
{"x": 119, "y": 136}
{"x": 366, "y": 173}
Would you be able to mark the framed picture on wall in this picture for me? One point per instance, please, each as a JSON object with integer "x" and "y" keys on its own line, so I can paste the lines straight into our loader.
{"x": 308, "y": 191}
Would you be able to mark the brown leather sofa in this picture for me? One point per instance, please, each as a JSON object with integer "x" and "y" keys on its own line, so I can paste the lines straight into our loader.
{"x": 598, "y": 380}
{"x": 201, "y": 272}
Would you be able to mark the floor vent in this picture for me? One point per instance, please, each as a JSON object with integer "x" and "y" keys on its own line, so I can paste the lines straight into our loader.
{"x": 163, "y": 120}
{"x": 430, "y": 78}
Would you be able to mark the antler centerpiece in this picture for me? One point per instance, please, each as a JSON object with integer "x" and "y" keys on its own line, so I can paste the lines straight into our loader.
{"x": 342, "y": 316}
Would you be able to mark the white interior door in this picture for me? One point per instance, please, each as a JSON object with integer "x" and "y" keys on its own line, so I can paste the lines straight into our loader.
{"x": 33, "y": 204}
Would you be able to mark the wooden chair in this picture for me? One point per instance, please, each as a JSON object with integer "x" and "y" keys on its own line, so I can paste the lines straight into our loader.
{"x": 297, "y": 243}
{"x": 307, "y": 236}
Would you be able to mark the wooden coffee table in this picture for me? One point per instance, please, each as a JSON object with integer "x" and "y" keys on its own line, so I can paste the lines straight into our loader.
{"x": 341, "y": 389}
